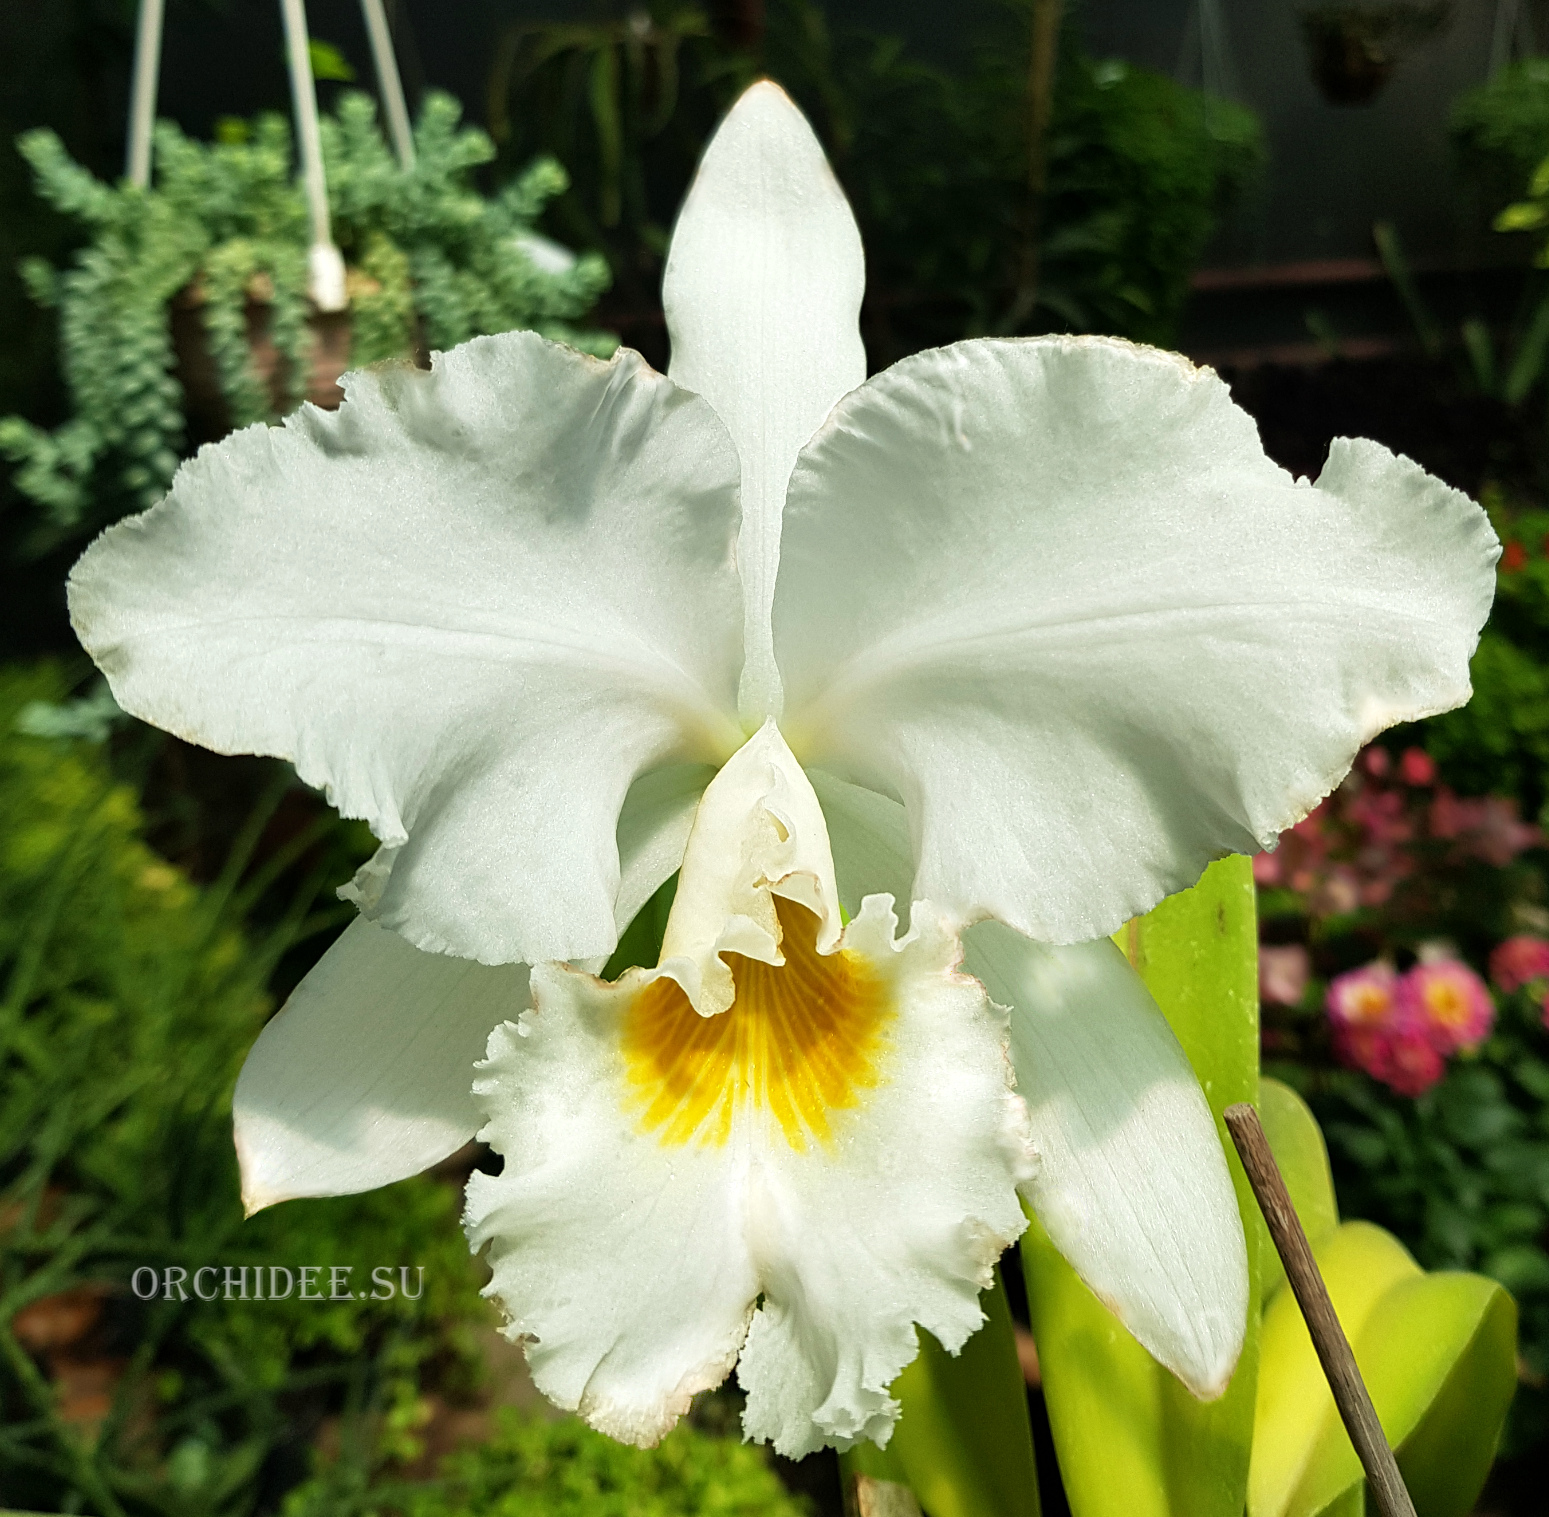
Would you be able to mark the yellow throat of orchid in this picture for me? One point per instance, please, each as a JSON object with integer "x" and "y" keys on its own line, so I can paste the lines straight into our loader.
{"x": 801, "y": 1043}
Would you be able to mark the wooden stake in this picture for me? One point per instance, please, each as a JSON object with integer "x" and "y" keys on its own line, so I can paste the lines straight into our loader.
{"x": 1328, "y": 1337}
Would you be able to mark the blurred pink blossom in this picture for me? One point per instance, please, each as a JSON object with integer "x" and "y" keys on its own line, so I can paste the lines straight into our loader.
{"x": 1283, "y": 974}
{"x": 1450, "y": 1004}
{"x": 1486, "y": 826}
{"x": 1363, "y": 998}
{"x": 1417, "y": 767}
{"x": 1519, "y": 961}
{"x": 1410, "y": 1062}
{"x": 1376, "y": 761}
{"x": 1381, "y": 1027}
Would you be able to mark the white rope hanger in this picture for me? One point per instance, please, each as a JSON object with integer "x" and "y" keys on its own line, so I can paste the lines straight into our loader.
{"x": 325, "y": 264}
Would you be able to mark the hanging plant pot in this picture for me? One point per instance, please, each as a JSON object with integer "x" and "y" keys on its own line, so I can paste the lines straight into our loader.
{"x": 1352, "y": 49}
{"x": 207, "y": 406}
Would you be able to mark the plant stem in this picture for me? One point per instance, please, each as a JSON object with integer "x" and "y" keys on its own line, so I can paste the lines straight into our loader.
{"x": 1328, "y": 1337}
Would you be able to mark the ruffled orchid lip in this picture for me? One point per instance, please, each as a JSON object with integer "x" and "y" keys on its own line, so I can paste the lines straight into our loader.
{"x": 782, "y": 1063}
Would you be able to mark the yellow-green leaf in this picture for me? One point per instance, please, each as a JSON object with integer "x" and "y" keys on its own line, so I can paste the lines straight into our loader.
{"x": 963, "y": 1442}
{"x": 1132, "y": 1442}
{"x": 1360, "y": 1264}
{"x": 964, "y": 1439}
{"x": 1438, "y": 1354}
{"x": 1297, "y": 1143}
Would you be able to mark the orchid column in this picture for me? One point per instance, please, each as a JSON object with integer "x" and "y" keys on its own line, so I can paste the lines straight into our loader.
{"x": 921, "y": 685}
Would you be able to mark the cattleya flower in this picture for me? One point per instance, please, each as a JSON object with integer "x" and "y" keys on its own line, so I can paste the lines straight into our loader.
{"x": 1006, "y": 643}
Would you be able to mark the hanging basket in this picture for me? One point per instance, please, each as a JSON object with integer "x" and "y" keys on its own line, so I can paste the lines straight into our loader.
{"x": 1352, "y": 49}
{"x": 205, "y": 404}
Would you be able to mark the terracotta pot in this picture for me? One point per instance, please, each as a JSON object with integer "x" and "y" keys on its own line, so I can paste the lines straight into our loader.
{"x": 204, "y": 404}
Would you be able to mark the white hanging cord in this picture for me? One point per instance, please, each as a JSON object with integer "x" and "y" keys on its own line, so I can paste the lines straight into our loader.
{"x": 389, "y": 85}
{"x": 1512, "y": 33}
{"x": 142, "y": 96}
{"x": 1205, "y": 39}
{"x": 325, "y": 264}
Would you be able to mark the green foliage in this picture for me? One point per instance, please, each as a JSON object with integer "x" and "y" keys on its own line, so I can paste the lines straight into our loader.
{"x": 1500, "y": 132}
{"x": 537, "y": 1468}
{"x": 130, "y": 997}
{"x": 934, "y": 161}
{"x": 224, "y": 229}
{"x": 963, "y": 1444}
{"x": 1499, "y": 741}
{"x": 1131, "y": 1440}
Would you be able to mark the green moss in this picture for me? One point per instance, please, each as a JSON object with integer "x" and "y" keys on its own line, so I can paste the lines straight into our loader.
{"x": 537, "y": 1468}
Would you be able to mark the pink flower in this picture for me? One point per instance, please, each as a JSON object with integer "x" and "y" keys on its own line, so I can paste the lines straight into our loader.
{"x": 1283, "y": 974}
{"x": 1410, "y": 1062}
{"x": 1487, "y": 826}
{"x": 1266, "y": 869}
{"x": 1376, "y": 761}
{"x": 1417, "y": 767}
{"x": 1520, "y": 961}
{"x": 1364, "y": 999}
{"x": 1362, "y": 1047}
{"x": 1380, "y": 1027}
{"x": 1450, "y": 1004}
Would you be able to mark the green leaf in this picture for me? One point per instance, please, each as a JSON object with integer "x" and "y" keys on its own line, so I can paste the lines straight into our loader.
{"x": 1438, "y": 1354}
{"x": 963, "y": 1442}
{"x": 328, "y": 62}
{"x": 1297, "y": 1143}
{"x": 1360, "y": 1263}
{"x": 1132, "y": 1441}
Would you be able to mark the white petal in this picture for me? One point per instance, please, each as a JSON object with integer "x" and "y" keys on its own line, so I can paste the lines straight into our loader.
{"x": 621, "y": 1260}
{"x": 632, "y": 1259}
{"x": 763, "y": 294}
{"x": 869, "y": 834}
{"x": 758, "y": 833}
{"x": 905, "y": 1220}
{"x": 653, "y": 832}
{"x": 474, "y": 604}
{"x": 1132, "y": 1185}
{"x": 1052, "y": 595}
{"x": 366, "y": 1073}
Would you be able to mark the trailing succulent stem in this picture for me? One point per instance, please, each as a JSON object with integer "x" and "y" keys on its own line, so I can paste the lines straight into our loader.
{"x": 222, "y": 237}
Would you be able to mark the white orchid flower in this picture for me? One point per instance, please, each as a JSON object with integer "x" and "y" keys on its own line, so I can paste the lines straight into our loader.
{"x": 1018, "y": 635}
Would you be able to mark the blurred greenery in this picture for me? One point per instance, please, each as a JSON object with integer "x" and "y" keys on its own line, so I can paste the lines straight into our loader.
{"x": 935, "y": 161}
{"x": 1499, "y": 742}
{"x": 130, "y": 997}
{"x": 220, "y": 238}
{"x": 1500, "y": 132}
{"x": 1461, "y": 1174}
{"x": 534, "y": 1468}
